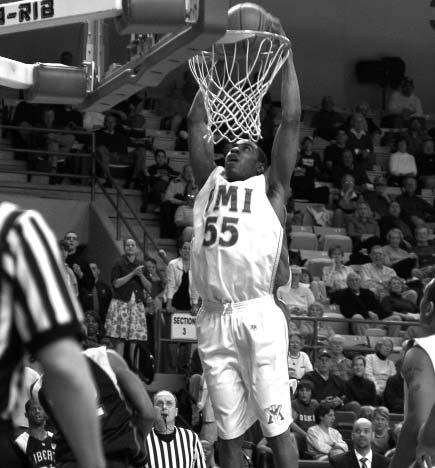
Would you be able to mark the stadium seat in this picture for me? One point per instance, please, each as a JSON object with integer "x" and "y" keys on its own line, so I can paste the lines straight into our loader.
{"x": 396, "y": 418}
{"x": 324, "y": 230}
{"x": 310, "y": 254}
{"x": 340, "y": 327}
{"x": 376, "y": 332}
{"x": 355, "y": 341}
{"x": 344, "y": 419}
{"x": 296, "y": 228}
{"x": 303, "y": 240}
{"x": 315, "y": 266}
{"x": 330, "y": 240}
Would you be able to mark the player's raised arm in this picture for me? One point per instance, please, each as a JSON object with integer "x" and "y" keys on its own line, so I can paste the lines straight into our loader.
{"x": 419, "y": 385}
{"x": 200, "y": 148}
{"x": 286, "y": 143}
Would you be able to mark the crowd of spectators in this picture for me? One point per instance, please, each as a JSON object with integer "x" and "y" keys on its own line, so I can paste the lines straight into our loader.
{"x": 391, "y": 260}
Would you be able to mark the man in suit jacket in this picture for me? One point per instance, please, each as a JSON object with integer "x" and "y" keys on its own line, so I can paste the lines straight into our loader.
{"x": 362, "y": 455}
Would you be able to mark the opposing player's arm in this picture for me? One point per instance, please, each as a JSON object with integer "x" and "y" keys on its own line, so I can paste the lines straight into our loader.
{"x": 420, "y": 382}
{"x": 69, "y": 387}
{"x": 200, "y": 148}
{"x": 134, "y": 391}
{"x": 286, "y": 143}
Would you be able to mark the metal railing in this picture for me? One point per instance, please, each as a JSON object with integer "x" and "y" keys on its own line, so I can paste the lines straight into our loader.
{"x": 115, "y": 200}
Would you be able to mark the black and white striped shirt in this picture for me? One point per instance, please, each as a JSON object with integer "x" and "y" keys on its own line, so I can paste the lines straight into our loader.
{"x": 183, "y": 451}
{"x": 36, "y": 305}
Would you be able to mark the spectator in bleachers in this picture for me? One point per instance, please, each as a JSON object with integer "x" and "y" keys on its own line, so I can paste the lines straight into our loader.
{"x": 394, "y": 391}
{"x": 340, "y": 364}
{"x": 111, "y": 145}
{"x": 425, "y": 160}
{"x": 396, "y": 304}
{"x": 346, "y": 202}
{"x": 298, "y": 361}
{"x": 101, "y": 294}
{"x": 183, "y": 217}
{"x": 402, "y": 105}
{"x": 424, "y": 249}
{"x": 303, "y": 408}
{"x": 360, "y": 140}
{"x": 93, "y": 329}
{"x": 307, "y": 171}
{"x": 401, "y": 163}
{"x": 332, "y": 153}
{"x": 295, "y": 296}
{"x": 323, "y": 440}
{"x": 378, "y": 367}
{"x": 362, "y": 228}
{"x": 112, "y": 148}
{"x": 69, "y": 274}
{"x": 181, "y": 295}
{"x": 327, "y": 388}
{"x": 159, "y": 175}
{"x": 367, "y": 412}
{"x": 126, "y": 317}
{"x": 327, "y": 120}
{"x": 317, "y": 287}
{"x": 324, "y": 330}
{"x": 416, "y": 135}
{"x": 359, "y": 388}
{"x": 364, "y": 109}
{"x": 79, "y": 264}
{"x": 54, "y": 142}
{"x": 383, "y": 439}
{"x": 415, "y": 210}
{"x": 375, "y": 275}
{"x": 357, "y": 303}
{"x": 348, "y": 165}
{"x": 378, "y": 199}
{"x": 397, "y": 258}
{"x": 335, "y": 276}
{"x": 394, "y": 220}
{"x": 175, "y": 196}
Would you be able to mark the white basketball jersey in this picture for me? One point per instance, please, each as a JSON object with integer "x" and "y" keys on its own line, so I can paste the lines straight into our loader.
{"x": 237, "y": 240}
{"x": 428, "y": 345}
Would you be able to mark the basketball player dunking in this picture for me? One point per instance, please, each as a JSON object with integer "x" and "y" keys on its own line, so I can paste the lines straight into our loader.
{"x": 239, "y": 258}
{"x": 419, "y": 375}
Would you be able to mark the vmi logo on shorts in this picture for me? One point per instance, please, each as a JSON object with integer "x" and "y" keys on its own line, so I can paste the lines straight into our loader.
{"x": 274, "y": 414}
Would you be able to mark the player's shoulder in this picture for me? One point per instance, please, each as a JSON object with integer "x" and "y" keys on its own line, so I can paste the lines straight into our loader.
{"x": 22, "y": 440}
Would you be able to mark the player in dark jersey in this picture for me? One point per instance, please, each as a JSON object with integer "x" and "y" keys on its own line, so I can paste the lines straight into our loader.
{"x": 37, "y": 443}
{"x": 124, "y": 409}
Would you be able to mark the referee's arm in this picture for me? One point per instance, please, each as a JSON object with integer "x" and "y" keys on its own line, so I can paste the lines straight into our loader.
{"x": 47, "y": 317}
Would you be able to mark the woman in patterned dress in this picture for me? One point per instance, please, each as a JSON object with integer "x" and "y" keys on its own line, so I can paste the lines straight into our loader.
{"x": 126, "y": 317}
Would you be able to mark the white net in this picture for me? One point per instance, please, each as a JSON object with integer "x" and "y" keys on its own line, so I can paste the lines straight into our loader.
{"x": 234, "y": 76}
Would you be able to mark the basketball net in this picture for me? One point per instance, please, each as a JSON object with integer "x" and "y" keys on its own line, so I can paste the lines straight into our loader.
{"x": 233, "y": 77}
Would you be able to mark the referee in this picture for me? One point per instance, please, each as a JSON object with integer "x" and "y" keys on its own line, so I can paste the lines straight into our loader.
{"x": 38, "y": 314}
{"x": 168, "y": 445}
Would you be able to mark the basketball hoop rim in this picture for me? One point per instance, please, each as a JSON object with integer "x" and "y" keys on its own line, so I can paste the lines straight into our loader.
{"x": 233, "y": 35}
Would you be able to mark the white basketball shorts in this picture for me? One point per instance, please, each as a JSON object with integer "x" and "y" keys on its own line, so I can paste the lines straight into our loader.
{"x": 243, "y": 348}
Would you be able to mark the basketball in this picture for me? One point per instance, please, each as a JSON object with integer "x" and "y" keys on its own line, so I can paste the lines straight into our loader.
{"x": 251, "y": 17}
{"x": 248, "y": 16}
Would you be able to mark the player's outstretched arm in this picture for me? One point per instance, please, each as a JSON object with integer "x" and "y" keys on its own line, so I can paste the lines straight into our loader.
{"x": 135, "y": 393}
{"x": 71, "y": 392}
{"x": 419, "y": 385}
{"x": 286, "y": 143}
{"x": 200, "y": 148}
